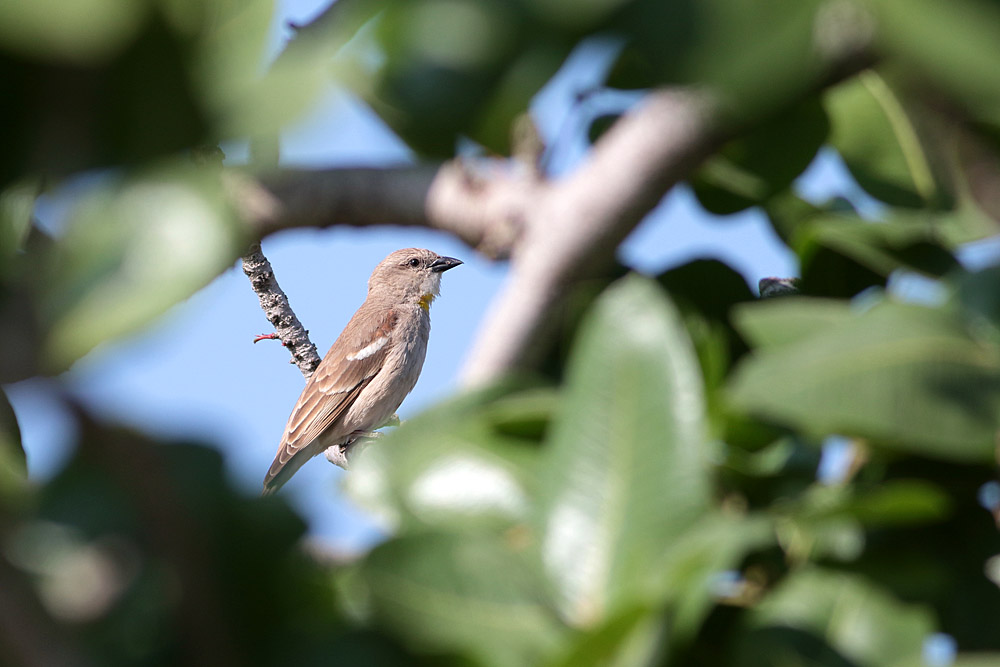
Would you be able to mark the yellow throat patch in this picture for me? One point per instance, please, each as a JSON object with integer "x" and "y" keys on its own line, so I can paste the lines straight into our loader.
{"x": 425, "y": 301}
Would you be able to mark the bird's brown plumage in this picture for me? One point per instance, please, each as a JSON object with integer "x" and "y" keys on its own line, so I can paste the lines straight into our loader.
{"x": 371, "y": 367}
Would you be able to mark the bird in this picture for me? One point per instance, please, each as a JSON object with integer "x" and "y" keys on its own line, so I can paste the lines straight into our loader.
{"x": 370, "y": 368}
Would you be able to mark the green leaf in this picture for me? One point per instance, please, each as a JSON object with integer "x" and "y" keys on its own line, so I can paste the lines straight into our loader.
{"x": 716, "y": 544}
{"x": 758, "y": 54}
{"x": 977, "y": 660}
{"x": 634, "y": 637}
{"x": 705, "y": 291}
{"x": 463, "y": 464}
{"x": 13, "y": 463}
{"x": 830, "y": 521}
{"x": 842, "y": 255}
{"x": 783, "y": 321}
{"x": 17, "y": 203}
{"x": 623, "y": 474}
{"x": 81, "y": 31}
{"x": 232, "y": 39}
{"x": 979, "y": 296}
{"x": 134, "y": 247}
{"x": 766, "y": 160}
{"x": 135, "y": 103}
{"x": 883, "y": 247}
{"x": 950, "y": 44}
{"x": 897, "y": 502}
{"x": 458, "y": 67}
{"x": 472, "y": 593}
{"x": 862, "y": 622}
{"x": 879, "y": 142}
{"x": 904, "y": 376}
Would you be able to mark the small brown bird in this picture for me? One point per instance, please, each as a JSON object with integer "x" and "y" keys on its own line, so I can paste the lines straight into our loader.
{"x": 371, "y": 367}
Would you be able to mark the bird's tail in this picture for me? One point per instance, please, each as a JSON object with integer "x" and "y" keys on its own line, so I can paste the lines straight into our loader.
{"x": 281, "y": 471}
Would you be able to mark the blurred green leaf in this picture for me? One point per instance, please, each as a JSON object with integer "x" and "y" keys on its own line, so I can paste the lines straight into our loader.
{"x": 626, "y": 443}
{"x": 894, "y": 502}
{"x": 135, "y": 246}
{"x": 17, "y": 202}
{"x": 842, "y": 255}
{"x": 764, "y": 161}
{"x": 864, "y": 624}
{"x": 230, "y": 38}
{"x": 460, "y": 465}
{"x": 948, "y": 45}
{"x": 80, "y": 31}
{"x": 879, "y": 142}
{"x": 973, "y": 660}
{"x": 634, "y": 637}
{"x": 136, "y": 104}
{"x": 459, "y": 67}
{"x": 705, "y": 291}
{"x": 788, "y": 320}
{"x": 979, "y": 296}
{"x": 251, "y": 98}
{"x": 883, "y": 247}
{"x": 13, "y": 463}
{"x": 781, "y": 645}
{"x": 758, "y": 54}
{"x": 907, "y": 377}
{"x": 833, "y": 522}
{"x": 512, "y": 94}
{"x": 474, "y": 593}
{"x": 171, "y": 556}
{"x": 716, "y": 544}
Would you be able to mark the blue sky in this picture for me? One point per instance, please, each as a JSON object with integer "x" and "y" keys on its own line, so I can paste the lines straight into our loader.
{"x": 195, "y": 373}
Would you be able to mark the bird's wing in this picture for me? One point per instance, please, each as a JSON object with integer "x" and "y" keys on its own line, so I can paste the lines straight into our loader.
{"x": 355, "y": 358}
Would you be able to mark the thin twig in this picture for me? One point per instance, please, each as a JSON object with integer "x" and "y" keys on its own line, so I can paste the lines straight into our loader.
{"x": 275, "y": 305}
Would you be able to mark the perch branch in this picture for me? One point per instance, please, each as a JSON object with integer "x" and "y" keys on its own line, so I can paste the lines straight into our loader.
{"x": 275, "y": 305}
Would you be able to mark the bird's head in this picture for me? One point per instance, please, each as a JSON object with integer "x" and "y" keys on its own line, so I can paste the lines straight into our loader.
{"x": 410, "y": 275}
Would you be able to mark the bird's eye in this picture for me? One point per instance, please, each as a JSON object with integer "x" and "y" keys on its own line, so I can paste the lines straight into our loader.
{"x": 414, "y": 262}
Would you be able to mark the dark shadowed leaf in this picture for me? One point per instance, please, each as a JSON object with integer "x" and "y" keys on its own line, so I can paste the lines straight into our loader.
{"x": 16, "y": 205}
{"x": 882, "y": 247}
{"x": 866, "y": 625}
{"x": 705, "y": 291}
{"x": 757, "y": 53}
{"x": 764, "y": 161}
{"x": 82, "y": 32}
{"x": 137, "y": 103}
{"x": 782, "y": 645}
{"x": 458, "y": 67}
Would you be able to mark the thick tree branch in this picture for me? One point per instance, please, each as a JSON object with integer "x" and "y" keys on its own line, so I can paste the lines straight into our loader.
{"x": 576, "y": 226}
{"x": 483, "y": 208}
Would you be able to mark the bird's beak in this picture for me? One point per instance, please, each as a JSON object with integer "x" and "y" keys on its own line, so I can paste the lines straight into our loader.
{"x": 444, "y": 263}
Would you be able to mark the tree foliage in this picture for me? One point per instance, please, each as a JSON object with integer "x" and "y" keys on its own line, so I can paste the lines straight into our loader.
{"x": 651, "y": 495}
